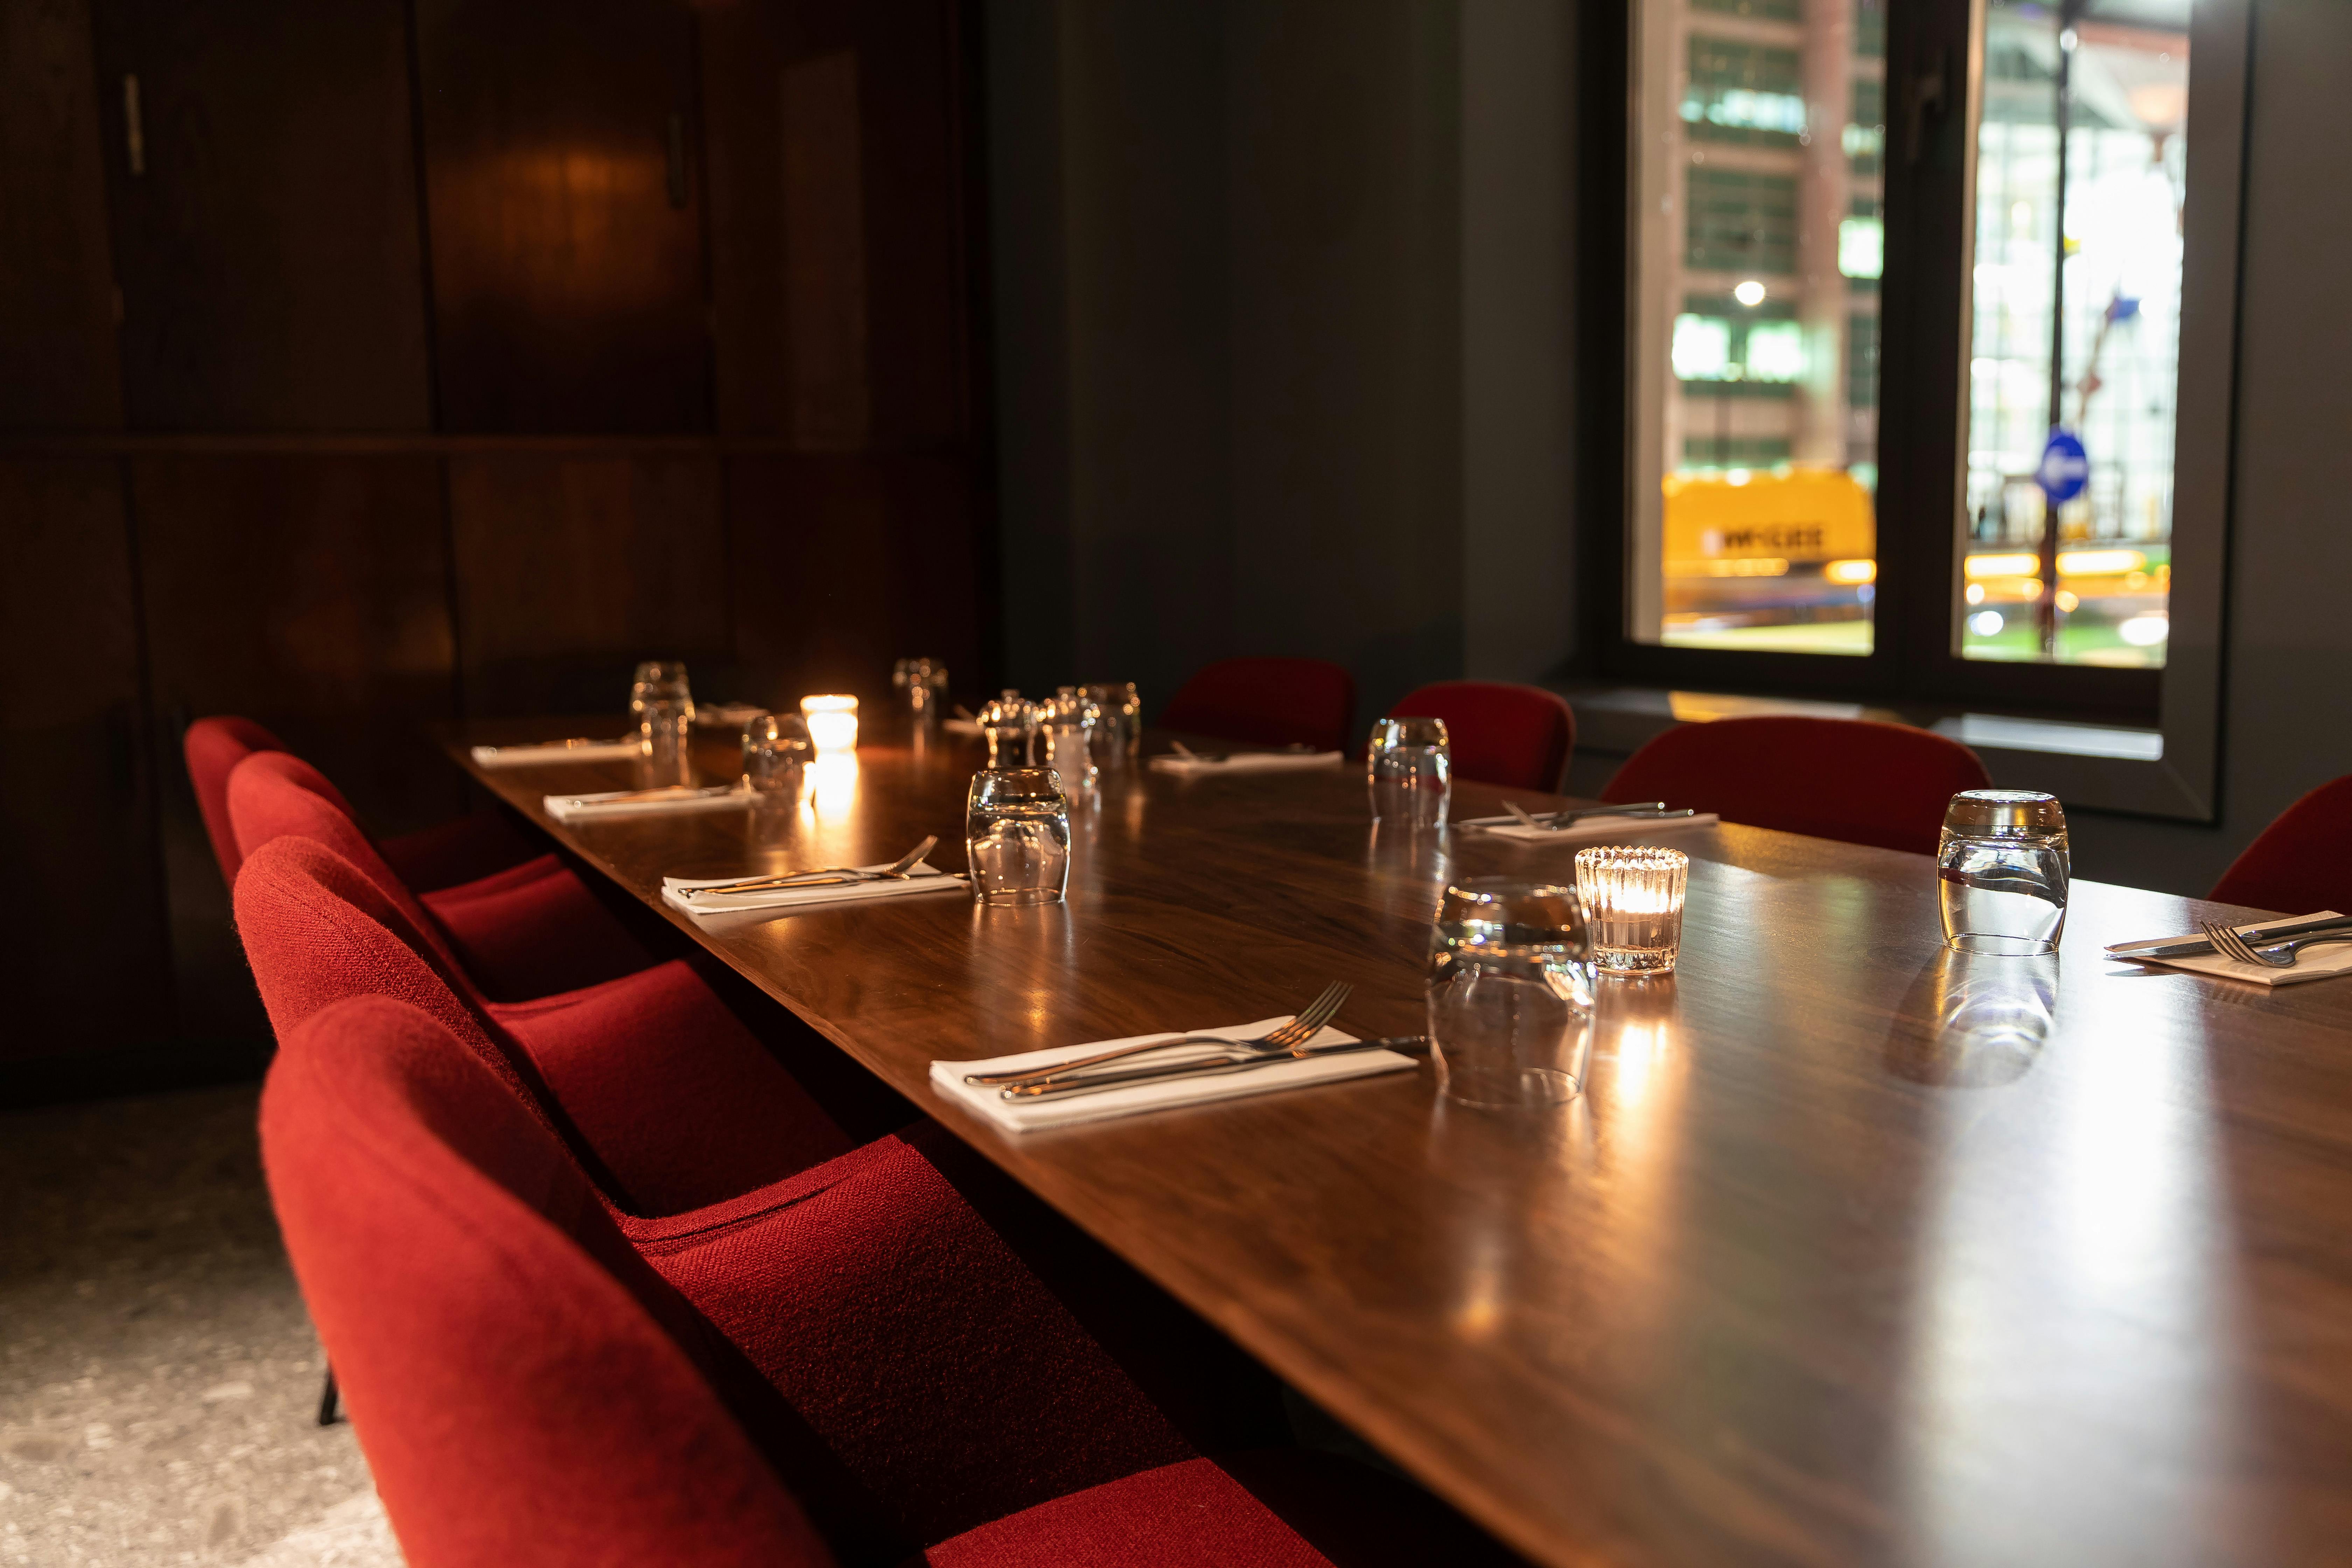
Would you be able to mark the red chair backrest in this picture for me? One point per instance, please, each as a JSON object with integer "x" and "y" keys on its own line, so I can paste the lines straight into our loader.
{"x": 502, "y": 1347}
{"x": 214, "y": 747}
{"x": 1267, "y": 702}
{"x": 272, "y": 795}
{"x": 1515, "y": 736}
{"x": 2300, "y": 864}
{"x": 1848, "y": 779}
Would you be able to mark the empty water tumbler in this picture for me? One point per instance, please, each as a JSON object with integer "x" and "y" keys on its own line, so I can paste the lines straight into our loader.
{"x": 663, "y": 707}
{"x": 2002, "y": 871}
{"x": 1017, "y": 836}
{"x": 1066, "y": 729}
{"x": 1009, "y": 723}
{"x": 1409, "y": 767}
{"x": 776, "y": 747}
{"x": 1118, "y": 723}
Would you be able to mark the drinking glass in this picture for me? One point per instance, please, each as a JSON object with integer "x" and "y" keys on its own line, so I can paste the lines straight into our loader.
{"x": 1017, "y": 836}
{"x": 775, "y": 748}
{"x": 661, "y": 706}
{"x": 2002, "y": 867}
{"x": 923, "y": 683}
{"x": 1510, "y": 993}
{"x": 1119, "y": 730}
{"x": 1410, "y": 770}
{"x": 1065, "y": 728}
{"x": 1009, "y": 721}
{"x": 1633, "y": 898}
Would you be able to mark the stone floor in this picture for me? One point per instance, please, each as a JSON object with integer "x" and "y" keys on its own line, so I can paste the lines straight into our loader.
{"x": 158, "y": 1377}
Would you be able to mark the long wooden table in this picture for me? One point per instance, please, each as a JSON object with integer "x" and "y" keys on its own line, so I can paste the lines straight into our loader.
{"x": 1853, "y": 1252}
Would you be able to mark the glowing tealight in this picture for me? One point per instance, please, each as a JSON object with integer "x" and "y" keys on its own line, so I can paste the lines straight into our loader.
{"x": 832, "y": 722}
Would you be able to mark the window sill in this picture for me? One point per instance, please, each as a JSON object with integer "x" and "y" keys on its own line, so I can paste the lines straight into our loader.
{"x": 2095, "y": 766}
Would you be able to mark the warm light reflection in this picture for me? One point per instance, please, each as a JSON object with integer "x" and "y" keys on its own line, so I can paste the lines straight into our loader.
{"x": 831, "y": 787}
{"x": 832, "y": 722}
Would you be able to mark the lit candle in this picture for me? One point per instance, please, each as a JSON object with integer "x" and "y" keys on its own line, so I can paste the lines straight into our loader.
{"x": 1633, "y": 898}
{"x": 832, "y": 722}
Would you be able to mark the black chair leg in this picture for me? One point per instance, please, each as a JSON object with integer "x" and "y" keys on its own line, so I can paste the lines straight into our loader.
{"x": 327, "y": 1401}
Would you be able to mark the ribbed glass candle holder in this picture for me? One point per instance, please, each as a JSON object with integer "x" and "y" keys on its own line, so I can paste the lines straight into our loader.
{"x": 1632, "y": 899}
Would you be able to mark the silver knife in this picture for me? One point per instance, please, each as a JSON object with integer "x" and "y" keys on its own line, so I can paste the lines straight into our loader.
{"x": 1212, "y": 1067}
{"x": 664, "y": 792}
{"x": 2190, "y": 947}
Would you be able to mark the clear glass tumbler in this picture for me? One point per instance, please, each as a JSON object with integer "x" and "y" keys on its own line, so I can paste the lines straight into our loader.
{"x": 1009, "y": 723}
{"x": 922, "y": 684}
{"x": 663, "y": 707}
{"x": 1510, "y": 993}
{"x": 776, "y": 747}
{"x": 1633, "y": 898}
{"x": 2002, "y": 867}
{"x": 1017, "y": 836}
{"x": 1119, "y": 725}
{"x": 1065, "y": 732}
{"x": 1409, "y": 769}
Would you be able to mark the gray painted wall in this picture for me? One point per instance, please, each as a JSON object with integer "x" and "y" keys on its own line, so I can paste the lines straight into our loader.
{"x": 1284, "y": 353}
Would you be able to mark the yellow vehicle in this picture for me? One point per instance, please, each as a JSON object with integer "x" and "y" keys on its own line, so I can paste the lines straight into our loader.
{"x": 1780, "y": 547}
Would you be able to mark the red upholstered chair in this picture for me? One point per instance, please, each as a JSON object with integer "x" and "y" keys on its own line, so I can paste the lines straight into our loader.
{"x": 529, "y": 1391}
{"x": 2300, "y": 864}
{"x": 1267, "y": 702}
{"x": 658, "y": 1087}
{"x": 533, "y": 930}
{"x": 1515, "y": 736}
{"x": 430, "y": 858}
{"x": 1847, "y": 779}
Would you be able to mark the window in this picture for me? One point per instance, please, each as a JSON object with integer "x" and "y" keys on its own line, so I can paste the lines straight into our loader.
{"x": 1961, "y": 225}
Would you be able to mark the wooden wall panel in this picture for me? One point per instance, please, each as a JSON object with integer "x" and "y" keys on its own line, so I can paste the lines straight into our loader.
{"x": 561, "y": 140}
{"x": 267, "y": 244}
{"x": 310, "y": 593}
{"x": 843, "y": 564}
{"x": 570, "y": 568}
{"x": 84, "y": 963}
{"x": 56, "y": 278}
{"x": 821, "y": 293}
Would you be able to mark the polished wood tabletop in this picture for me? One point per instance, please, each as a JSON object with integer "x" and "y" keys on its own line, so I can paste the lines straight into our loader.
{"x": 1854, "y": 1251}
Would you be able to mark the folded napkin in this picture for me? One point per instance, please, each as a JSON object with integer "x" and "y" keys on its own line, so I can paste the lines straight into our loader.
{"x": 2312, "y": 963}
{"x": 1591, "y": 830}
{"x": 684, "y": 892}
{"x": 1246, "y": 763}
{"x": 554, "y": 752}
{"x": 634, "y": 802}
{"x": 725, "y": 715}
{"x": 961, "y": 726}
{"x": 1023, "y": 1116}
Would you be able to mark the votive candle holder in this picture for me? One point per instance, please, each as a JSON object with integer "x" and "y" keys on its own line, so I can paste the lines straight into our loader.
{"x": 832, "y": 724}
{"x": 1632, "y": 899}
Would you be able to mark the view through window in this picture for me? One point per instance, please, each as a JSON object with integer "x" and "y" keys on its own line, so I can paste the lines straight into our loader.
{"x": 1756, "y": 196}
{"x": 2081, "y": 164}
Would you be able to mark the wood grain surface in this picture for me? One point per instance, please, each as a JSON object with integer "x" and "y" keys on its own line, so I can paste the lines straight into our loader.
{"x": 1853, "y": 1252}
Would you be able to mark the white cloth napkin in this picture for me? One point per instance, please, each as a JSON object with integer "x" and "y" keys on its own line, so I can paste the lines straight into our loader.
{"x": 954, "y": 726}
{"x": 2312, "y": 963}
{"x": 1590, "y": 829}
{"x": 1023, "y": 1116}
{"x": 614, "y": 803}
{"x": 1246, "y": 763}
{"x": 553, "y": 751}
{"x": 725, "y": 715}
{"x": 683, "y": 891}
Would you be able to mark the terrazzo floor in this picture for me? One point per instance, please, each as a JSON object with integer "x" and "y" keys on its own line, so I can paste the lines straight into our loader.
{"x": 158, "y": 1377}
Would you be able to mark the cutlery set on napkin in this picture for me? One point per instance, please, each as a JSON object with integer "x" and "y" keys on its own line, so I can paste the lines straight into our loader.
{"x": 1588, "y": 822}
{"x": 1189, "y": 763}
{"x": 908, "y": 874}
{"x": 2284, "y": 952}
{"x": 540, "y": 753}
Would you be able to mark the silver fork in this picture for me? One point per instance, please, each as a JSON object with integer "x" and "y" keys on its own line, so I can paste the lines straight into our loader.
{"x": 2269, "y": 955}
{"x": 1298, "y": 1031}
{"x": 823, "y": 875}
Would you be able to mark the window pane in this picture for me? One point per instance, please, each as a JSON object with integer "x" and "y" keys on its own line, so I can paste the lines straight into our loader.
{"x": 2067, "y": 545}
{"x": 1755, "y": 387}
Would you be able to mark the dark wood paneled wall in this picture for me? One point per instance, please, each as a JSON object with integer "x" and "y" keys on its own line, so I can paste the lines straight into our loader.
{"x": 411, "y": 358}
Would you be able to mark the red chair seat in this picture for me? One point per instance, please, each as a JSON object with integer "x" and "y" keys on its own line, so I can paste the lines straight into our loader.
{"x": 1267, "y": 702}
{"x": 529, "y": 1391}
{"x": 531, "y": 930}
{"x": 437, "y": 857}
{"x": 2300, "y": 864}
{"x": 1519, "y": 737}
{"x": 658, "y": 1088}
{"x": 1847, "y": 779}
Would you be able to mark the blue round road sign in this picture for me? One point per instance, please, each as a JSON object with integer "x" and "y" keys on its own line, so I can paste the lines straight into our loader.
{"x": 2065, "y": 469}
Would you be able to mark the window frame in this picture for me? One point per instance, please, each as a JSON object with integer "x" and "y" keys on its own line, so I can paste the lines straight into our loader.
{"x": 1934, "y": 55}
